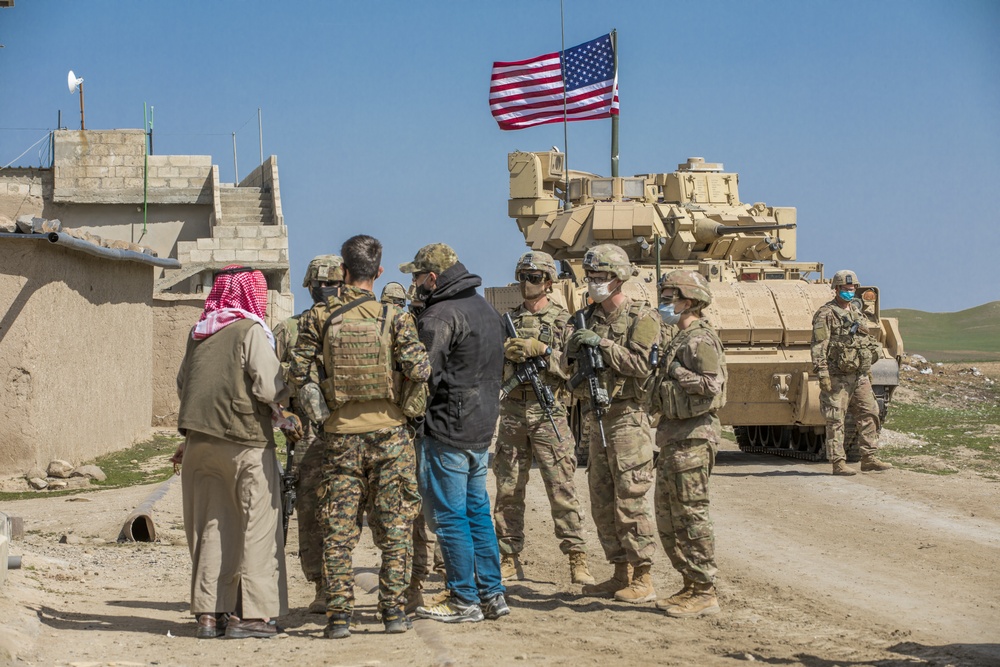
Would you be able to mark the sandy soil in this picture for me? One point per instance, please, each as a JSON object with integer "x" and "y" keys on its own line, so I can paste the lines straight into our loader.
{"x": 890, "y": 569}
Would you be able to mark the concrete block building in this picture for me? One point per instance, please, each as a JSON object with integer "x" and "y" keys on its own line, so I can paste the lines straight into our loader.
{"x": 103, "y": 183}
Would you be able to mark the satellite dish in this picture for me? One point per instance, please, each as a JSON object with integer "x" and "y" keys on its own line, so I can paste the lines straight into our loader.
{"x": 72, "y": 81}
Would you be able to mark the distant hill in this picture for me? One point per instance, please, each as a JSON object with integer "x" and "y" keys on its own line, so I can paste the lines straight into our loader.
{"x": 968, "y": 335}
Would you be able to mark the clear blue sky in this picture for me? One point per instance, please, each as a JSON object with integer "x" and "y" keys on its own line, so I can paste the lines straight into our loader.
{"x": 880, "y": 121}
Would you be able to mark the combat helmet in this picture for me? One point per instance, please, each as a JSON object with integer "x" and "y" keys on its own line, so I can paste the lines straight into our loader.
{"x": 324, "y": 268}
{"x": 611, "y": 258}
{"x": 393, "y": 293}
{"x": 535, "y": 260}
{"x": 691, "y": 285}
{"x": 844, "y": 277}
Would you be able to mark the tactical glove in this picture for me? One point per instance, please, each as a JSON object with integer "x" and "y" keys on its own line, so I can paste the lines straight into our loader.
{"x": 583, "y": 337}
{"x": 673, "y": 368}
{"x": 520, "y": 350}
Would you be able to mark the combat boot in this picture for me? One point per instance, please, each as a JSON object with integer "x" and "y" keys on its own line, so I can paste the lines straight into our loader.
{"x": 840, "y": 468}
{"x": 414, "y": 596}
{"x": 508, "y": 567}
{"x": 618, "y": 581}
{"x": 702, "y": 602}
{"x": 318, "y": 605}
{"x": 579, "y": 573}
{"x": 678, "y": 597}
{"x": 338, "y": 626}
{"x": 871, "y": 464}
{"x": 641, "y": 588}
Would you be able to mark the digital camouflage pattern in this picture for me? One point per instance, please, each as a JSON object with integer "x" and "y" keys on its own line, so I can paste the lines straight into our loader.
{"x": 408, "y": 354}
{"x": 525, "y": 436}
{"x": 620, "y": 474}
{"x": 435, "y": 257}
{"x": 691, "y": 383}
{"x": 308, "y": 461}
{"x": 375, "y": 470}
{"x": 844, "y": 358}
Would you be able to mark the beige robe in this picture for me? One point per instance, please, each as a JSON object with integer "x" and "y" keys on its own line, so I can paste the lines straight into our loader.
{"x": 232, "y": 507}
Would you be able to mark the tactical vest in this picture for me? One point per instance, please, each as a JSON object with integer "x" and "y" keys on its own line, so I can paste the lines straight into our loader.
{"x": 548, "y": 327}
{"x": 619, "y": 388}
{"x": 357, "y": 355}
{"x": 848, "y": 352}
{"x": 672, "y": 401}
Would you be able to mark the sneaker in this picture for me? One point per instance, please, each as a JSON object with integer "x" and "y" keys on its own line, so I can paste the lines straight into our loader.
{"x": 495, "y": 607}
{"x": 395, "y": 621}
{"x": 452, "y": 611}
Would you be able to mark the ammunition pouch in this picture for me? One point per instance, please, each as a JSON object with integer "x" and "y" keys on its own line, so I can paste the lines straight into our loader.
{"x": 410, "y": 396}
{"x": 675, "y": 403}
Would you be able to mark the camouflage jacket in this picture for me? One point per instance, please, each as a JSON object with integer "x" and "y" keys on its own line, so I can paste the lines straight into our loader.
{"x": 549, "y": 326}
{"x": 628, "y": 335}
{"x": 306, "y": 356}
{"x": 691, "y": 383}
{"x": 841, "y": 340}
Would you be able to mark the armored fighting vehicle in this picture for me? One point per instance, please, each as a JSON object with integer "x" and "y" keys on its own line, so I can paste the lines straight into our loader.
{"x": 763, "y": 297}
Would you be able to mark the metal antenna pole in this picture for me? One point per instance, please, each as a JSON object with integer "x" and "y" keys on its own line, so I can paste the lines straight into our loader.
{"x": 260, "y": 135}
{"x": 236, "y": 165}
{"x": 82, "y": 126}
{"x": 614, "y": 117}
{"x": 562, "y": 67}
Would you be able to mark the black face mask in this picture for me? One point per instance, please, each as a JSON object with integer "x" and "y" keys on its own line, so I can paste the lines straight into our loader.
{"x": 320, "y": 293}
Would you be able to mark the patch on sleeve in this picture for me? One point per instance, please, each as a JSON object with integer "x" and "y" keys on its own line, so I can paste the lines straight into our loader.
{"x": 646, "y": 331}
{"x": 820, "y": 332}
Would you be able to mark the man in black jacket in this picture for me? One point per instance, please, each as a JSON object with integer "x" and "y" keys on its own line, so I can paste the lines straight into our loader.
{"x": 463, "y": 335}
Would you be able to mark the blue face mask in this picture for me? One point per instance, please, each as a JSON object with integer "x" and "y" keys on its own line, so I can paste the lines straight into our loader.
{"x": 846, "y": 296}
{"x": 667, "y": 313}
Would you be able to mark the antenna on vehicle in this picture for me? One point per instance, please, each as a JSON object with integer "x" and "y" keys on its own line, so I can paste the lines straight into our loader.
{"x": 73, "y": 82}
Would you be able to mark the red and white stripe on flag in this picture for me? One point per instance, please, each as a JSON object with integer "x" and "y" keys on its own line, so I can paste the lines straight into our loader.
{"x": 529, "y": 92}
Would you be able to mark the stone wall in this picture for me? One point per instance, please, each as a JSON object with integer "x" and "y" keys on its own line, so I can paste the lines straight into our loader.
{"x": 23, "y": 191}
{"x": 106, "y": 167}
{"x": 75, "y": 354}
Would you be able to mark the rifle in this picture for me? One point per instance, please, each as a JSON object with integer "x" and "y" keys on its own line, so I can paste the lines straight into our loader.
{"x": 528, "y": 372}
{"x": 589, "y": 363}
{"x": 288, "y": 483}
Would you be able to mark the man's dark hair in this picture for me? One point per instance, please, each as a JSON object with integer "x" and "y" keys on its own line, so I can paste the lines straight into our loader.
{"x": 362, "y": 256}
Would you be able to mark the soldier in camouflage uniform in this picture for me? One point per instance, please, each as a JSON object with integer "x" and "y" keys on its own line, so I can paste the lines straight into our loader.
{"x": 394, "y": 293}
{"x": 324, "y": 276}
{"x": 525, "y": 433}
{"x": 351, "y": 347}
{"x": 689, "y": 388}
{"x": 842, "y": 354}
{"x": 620, "y": 471}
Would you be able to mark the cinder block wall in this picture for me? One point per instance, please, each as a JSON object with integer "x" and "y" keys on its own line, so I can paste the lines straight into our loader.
{"x": 106, "y": 167}
{"x": 75, "y": 354}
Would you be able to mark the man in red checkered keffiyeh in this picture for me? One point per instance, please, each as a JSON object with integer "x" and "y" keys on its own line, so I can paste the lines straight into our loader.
{"x": 237, "y": 293}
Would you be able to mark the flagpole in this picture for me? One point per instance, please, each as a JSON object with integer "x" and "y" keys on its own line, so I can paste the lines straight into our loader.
{"x": 614, "y": 117}
{"x": 562, "y": 68}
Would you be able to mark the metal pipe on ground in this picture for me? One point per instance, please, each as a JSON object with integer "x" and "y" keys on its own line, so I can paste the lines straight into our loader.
{"x": 139, "y": 526}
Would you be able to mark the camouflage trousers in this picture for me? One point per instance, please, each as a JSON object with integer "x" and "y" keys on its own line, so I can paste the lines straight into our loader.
{"x": 374, "y": 471}
{"x": 852, "y": 394}
{"x": 309, "y": 467}
{"x": 526, "y": 435}
{"x": 681, "y": 500}
{"x": 619, "y": 476}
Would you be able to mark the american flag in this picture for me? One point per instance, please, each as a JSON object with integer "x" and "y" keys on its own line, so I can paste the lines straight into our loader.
{"x": 530, "y": 92}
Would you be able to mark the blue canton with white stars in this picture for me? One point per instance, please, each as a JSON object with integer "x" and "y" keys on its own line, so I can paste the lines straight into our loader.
{"x": 589, "y": 63}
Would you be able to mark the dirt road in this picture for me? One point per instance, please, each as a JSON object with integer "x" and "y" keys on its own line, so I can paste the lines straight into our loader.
{"x": 889, "y": 569}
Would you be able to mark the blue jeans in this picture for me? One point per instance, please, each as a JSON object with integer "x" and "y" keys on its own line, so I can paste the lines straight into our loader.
{"x": 457, "y": 507}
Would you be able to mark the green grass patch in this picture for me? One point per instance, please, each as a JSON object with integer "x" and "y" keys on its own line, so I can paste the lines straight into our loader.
{"x": 961, "y": 438}
{"x": 144, "y": 463}
{"x": 968, "y": 335}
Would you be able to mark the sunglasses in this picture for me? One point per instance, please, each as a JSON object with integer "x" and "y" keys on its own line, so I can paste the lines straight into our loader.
{"x": 533, "y": 278}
